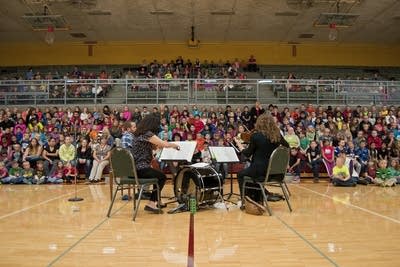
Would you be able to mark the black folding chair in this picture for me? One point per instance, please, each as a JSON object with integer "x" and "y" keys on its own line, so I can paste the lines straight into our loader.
{"x": 275, "y": 176}
{"x": 124, "y": 171}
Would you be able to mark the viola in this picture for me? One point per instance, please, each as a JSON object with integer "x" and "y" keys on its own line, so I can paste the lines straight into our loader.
{"x": 245, "y": 136}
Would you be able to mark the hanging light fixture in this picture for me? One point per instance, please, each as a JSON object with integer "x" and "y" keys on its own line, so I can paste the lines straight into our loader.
{"x": 49, "y": 36}
{"x": 333, "y": 32}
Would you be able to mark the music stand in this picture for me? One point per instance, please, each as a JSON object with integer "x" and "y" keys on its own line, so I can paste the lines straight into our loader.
{"x": 225, "y": 155}
{"x": 75, "y": 198}
{"x": 184, "y": 154}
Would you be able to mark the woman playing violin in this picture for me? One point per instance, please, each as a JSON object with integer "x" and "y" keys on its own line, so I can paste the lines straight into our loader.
{"x": 263, "y": 142}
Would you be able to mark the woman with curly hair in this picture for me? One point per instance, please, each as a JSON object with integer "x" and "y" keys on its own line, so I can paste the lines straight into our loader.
{"x": 263, "y": 142}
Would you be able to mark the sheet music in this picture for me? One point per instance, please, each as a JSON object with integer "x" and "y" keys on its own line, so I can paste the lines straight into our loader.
{"x": 223, "y": 154}
{"x": 185, "y": 153}
{"x": 200, "y": 165}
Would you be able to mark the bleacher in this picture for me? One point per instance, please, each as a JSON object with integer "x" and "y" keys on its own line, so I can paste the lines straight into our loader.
{"x": 338, "y": 85}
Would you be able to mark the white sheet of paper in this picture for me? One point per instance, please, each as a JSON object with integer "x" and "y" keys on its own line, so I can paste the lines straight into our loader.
{"x": 200, "y": 165}
{"x": 223, "y": 154}
{"x": 185, "y": 153}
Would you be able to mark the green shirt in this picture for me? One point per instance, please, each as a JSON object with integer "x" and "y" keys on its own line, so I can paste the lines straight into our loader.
{"x": 15, "y": 171}
{"x": 383, "y": 174}
{"x": 67, "y": 153}
{"x": 304, "y": 143}
{"x": 310, "y": 135}
{"x": 343, "y": 171}
{"x": 293, "y": 140}
{"x": 27, "y": 173}
{"x": 394, "y": 172}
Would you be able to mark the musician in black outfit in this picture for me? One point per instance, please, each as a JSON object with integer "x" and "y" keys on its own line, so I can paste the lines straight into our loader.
{"x": 263, "y": 142}
{"x": 144, "y": 140}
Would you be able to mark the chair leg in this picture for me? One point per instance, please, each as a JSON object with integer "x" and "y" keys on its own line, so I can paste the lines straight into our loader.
{"x": 136, "y": 207}
{"x": 265, "y": 199}
{"x": 134, "y": 196}
{"x": 286, "y": 196}
{"x": 287, "y": 188}
{"x": 242, "y": 189}
{"x": 158, "y": 198}
{"x": 112, "y": 201}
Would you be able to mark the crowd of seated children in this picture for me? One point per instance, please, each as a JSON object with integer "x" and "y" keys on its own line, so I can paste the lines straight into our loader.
{"x": 39, "y": 145}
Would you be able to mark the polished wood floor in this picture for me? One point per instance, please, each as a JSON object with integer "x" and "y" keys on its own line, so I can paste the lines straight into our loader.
{"x": 329, "y": 227}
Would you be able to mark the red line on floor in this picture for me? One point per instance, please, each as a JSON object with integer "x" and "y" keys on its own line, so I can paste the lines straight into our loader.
{"x": 190, "y": 262}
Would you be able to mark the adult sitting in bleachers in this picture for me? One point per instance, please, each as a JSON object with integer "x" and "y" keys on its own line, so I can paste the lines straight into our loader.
{"x": 84, "y": 157}
{"x": 101, "y": 155}
{"x": 50, "y": 155}
{"x": 33, "y": 152}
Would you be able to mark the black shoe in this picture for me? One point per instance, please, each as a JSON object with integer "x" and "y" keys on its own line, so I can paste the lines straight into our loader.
{"x": 274, "y": 198}
{"x": 362, "y": 181}
{"x": 145, "y": 195}
{"x": 154, "y": 210}
{"x": 161, "y": 206}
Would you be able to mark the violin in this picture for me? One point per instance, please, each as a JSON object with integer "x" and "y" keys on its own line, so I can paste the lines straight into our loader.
{"x": 245, "y": 136}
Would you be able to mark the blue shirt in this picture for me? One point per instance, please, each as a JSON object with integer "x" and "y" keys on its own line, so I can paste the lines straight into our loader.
{"x": 338, "y": 150}
{"x": 126, "y": 140}
{"x": 363, "y": 154}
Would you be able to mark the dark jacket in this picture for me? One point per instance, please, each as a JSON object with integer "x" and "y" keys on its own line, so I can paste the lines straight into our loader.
{"x": 261, "y": 148}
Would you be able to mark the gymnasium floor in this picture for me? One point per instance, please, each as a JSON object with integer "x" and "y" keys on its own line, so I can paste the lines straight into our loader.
{"x": 329, "y": 227}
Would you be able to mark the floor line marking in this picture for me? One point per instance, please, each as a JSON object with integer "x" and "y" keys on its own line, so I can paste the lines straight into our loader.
{"x": 38, "y": 204}
{"x": 190, "y": 258}
{"x": 65, "y": 252}
{"x": 352, "y": 205}
{"x": 307, "y": 241}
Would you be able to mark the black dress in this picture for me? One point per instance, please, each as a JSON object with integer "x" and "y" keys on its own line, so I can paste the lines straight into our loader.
{"x": 260, "y": 149}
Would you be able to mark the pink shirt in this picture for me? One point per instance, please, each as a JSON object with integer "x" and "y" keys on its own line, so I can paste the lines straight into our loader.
{"x": 127, "y": 115}
{"x": 328, "y": 152}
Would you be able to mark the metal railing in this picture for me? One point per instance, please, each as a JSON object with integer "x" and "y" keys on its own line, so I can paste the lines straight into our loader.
{"x": 197, "y": 91}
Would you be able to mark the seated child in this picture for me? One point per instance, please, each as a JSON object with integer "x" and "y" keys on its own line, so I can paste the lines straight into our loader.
{"x": 383, "y": 175}
{"x": 395, "y": 169}
{"x": 314, "y": 159}
{"x": 362, "y": 154}
{"x": 58, "y": 174}
{"x": 15, "y": 155}
{"x": 295, "y": 164}
{"x": 14, "y": 174}
{"x": 70, "y": 172}
{"x": 353, "y": 166}
{"x": 3, "y": 171}
{"x": 341, "y": 174}
{"x": 40, "y": 175}
{"x": 328, "y": 156}
{"x": 373, "y": 152}
{"x": 27, "y": 173}
{"x": 368, "y": 177}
